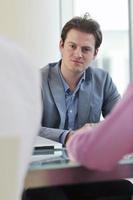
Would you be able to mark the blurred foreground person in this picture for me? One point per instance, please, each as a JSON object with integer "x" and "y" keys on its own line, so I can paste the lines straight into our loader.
{"x": 20, "y": 112}
{"x": 103, "y": 146}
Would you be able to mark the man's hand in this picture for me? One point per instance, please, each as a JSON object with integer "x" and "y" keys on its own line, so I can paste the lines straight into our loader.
{"x": 83, "y": 129}
{"x": 69, "y": 135}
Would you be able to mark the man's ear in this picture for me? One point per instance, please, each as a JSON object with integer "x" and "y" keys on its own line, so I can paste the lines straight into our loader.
{"x": 96, "y": 52}
{"x": 61, "y": 44}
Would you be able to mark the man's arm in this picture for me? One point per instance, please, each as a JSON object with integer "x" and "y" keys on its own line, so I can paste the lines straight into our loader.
{"x": 111, "y": 96}
{"x": 60, "y": 135}
{"x": 55, "y": 134}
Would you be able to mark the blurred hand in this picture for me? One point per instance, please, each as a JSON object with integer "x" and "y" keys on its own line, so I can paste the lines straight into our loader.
{"x": 84, "y": 129}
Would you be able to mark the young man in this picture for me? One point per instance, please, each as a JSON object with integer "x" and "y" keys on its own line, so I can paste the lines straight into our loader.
{"x": 73, "y": 92}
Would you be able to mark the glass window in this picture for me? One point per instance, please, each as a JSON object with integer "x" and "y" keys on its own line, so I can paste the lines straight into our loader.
{"x": 113, "y": 54}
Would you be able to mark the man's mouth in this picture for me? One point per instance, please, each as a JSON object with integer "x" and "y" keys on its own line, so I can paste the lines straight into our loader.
{"x": 77, "y": 61}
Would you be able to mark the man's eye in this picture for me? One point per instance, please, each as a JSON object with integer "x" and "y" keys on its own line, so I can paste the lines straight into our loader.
{"x": 72, "y": 46}
{"x": 86, "y": 49}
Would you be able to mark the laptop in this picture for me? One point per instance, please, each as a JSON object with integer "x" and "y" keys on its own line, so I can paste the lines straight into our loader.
{"x": 46, "y": 150}
{"x": 44, "y": 143}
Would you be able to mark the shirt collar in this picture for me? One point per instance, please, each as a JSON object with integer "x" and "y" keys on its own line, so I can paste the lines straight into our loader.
{"x": 65, "y": 85}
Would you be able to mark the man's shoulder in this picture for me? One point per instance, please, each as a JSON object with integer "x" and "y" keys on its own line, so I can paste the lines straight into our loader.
{"x": 48, "y": 67}
{"x": 98, "y": 72}
{"x": 94, "y": 73}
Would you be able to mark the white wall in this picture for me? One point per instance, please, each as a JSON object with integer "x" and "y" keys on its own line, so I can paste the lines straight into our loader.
{"x": 66, "y": 11}
{"x": 35, "y": 25}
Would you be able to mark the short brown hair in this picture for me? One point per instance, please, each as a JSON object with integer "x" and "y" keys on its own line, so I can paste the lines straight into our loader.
{"x": 84, "y": 24}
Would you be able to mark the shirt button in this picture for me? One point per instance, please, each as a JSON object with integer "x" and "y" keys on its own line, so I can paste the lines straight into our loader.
{"x": 70, "y": 111}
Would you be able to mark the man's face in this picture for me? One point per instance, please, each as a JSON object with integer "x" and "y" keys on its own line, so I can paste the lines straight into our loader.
{"x": 77, "y": 51}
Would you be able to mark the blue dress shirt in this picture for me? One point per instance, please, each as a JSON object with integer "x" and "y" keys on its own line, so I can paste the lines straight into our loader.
{"x": 71, "y": 98}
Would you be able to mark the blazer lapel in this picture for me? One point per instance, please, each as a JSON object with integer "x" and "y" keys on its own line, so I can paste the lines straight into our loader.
{"x": 84, "y": 103}
{"x": 57, "y": 91}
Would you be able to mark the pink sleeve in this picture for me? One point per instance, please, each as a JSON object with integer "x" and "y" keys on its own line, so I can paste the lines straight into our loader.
{"x": 101, "y": 148}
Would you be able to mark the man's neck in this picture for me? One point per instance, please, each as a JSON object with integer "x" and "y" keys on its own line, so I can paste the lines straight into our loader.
{"x": 72, "y": 79}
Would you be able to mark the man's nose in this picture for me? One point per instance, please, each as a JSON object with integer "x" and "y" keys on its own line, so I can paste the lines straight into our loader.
{"x": 78, "y": 52}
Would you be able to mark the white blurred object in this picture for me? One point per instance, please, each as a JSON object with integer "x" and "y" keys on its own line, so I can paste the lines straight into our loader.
{"x": 9, "y": 154}
{"x": 20, "y": 114}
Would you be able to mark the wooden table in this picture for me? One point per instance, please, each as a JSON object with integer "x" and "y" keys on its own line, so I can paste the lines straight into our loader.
{"x": 66, "y": 172}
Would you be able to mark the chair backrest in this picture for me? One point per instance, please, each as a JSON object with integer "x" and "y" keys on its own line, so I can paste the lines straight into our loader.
{"x": 9, "y": 165}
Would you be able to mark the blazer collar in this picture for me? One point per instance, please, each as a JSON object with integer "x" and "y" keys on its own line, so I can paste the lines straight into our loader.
{"x": 57, "y": 91}
{"x": 85, "y": 99}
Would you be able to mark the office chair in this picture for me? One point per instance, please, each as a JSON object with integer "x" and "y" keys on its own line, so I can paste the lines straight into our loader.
{"x": 109, "y": 190}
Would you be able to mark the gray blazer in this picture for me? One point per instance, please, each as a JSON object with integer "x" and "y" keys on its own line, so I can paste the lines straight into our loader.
{"x": 97, "y": 95}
